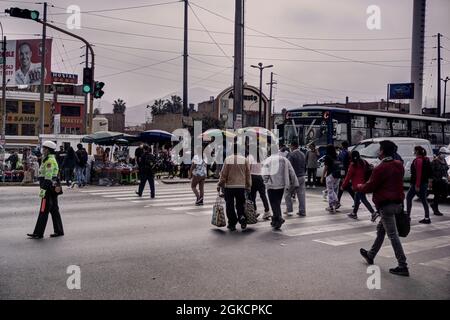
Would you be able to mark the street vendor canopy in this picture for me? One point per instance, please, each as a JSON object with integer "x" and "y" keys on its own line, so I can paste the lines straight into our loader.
{"x": 157, "y": 136}
{"x": 106, "y": 138}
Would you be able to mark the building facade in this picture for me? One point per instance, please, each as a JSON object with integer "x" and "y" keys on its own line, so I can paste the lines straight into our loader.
{"x": 62, "y": 114}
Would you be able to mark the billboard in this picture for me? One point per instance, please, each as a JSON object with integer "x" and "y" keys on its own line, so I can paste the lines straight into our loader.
{"x": 399, "y": 91}
{"x": 23, "y": 62}
{"x": 64, "y": 78}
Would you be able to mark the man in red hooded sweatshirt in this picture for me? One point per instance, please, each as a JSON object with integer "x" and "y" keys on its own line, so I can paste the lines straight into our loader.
{"x": 386, "y": 184}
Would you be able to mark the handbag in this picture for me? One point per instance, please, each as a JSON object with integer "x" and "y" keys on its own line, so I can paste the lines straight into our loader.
{"x": 403, "y": 222}
{"x": 250, "y": 213}
{"x": 218, "y": 215}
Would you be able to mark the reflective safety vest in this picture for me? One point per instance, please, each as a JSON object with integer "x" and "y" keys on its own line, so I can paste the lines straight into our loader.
{"x": 49, "y": 169}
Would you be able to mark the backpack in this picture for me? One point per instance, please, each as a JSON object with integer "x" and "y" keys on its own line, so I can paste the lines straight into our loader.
{"x": 368, "y": 169}
{"x": 338, "y": 170}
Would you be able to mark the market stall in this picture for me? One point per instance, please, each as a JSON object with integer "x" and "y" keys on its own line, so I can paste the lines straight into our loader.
{"x": 111, "y": 162}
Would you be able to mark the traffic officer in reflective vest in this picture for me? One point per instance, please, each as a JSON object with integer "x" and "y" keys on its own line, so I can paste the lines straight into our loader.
{"x": 50, "y": 189}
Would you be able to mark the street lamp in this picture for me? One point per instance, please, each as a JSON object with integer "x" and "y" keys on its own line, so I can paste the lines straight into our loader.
{"x": 445, "y": 92}
{"x": 261, "y": 68}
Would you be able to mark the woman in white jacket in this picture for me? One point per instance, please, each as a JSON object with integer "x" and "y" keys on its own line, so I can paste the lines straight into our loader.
{"x": 278, "y": 175}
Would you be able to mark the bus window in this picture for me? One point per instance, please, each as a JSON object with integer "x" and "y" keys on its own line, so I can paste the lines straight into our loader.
{"x": 360, "y": 129}
{"x": 381, "y": 128}
{"x": 400, "y": 128}
{"x": 435, "y": 133}
{"x": 447, "y": 134}
{"x": 419, "y": 129}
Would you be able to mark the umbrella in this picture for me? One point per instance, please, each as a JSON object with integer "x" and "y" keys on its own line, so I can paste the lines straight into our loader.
{"x": 102, "y": 137}
{"x": 209, "y": 134}
{"x": 261, "y": 133}
{"x": 157, "y": 136}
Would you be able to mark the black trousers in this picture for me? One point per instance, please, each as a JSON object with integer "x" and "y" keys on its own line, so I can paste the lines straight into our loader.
{"x": 258, "y": 186}
{"x": 143, "y": 181}
{"x": 440, "y": 191}
{"x": 235, "y": 202}
{"x": 49, "y": 204}
{"x": 348, "y": 189}
{"x": 275, "y": 198}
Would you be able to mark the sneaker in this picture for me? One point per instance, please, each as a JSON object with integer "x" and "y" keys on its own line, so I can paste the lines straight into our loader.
{"x": 438, "y": 213}
{"x": 338, "y": 205}
{"x": 199, "y": 202}
{"x": 400, "y": 271}
{"x": 425, "y": 221}
{"x": 138, "y": 194}
{"x": 353, "y": 216}
{"x": 365, "y": 255}
{"x": 266, "y": 215}
{"x": 301, "y": 214}
{"x": 289, "y": 214}
{"x": 231, "y": 228}
{"x": 331, "y": 209}
{"x": 375, "y": 215}
{"x": 277, "y": 225}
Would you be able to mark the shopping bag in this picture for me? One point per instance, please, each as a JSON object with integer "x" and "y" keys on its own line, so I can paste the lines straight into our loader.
{"x": 250, "y": 212}
{"x": 218, "y": 215}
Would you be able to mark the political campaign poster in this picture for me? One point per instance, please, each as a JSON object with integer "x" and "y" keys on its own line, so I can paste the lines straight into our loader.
{"x": 23, "y": 62}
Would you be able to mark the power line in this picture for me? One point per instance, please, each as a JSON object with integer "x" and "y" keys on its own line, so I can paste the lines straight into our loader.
{"x": 121, "y": 9}
{"x": 209, "y": 34}
{"x": 142, "y": 67}
{"x": 297, "y": 45}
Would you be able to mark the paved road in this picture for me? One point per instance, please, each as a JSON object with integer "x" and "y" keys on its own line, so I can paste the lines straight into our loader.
{"x": 166, "y": 248}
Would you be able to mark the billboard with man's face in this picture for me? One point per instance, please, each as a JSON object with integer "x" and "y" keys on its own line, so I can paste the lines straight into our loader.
{"x": 23, "y": 62}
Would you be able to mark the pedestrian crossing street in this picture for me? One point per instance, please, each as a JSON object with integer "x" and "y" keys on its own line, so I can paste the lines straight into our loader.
{"x": 179, "y": 199}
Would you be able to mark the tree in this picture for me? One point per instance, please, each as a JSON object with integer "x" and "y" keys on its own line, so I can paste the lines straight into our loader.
{"x": 119, "y": 106}
{"x": 174, "y": 105}
{"x": 157, "y": 107}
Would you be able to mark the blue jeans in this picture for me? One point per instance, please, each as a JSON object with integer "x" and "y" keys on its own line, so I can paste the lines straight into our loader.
{"x": 422, "y": 194}
{"x": 80, "y": 175}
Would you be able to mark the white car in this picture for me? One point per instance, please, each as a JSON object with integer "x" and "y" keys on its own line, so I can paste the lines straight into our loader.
{"x": 368, "y": 150}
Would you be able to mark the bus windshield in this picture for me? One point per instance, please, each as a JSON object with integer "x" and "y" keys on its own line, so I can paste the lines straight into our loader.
{"x": 306, "y": 132}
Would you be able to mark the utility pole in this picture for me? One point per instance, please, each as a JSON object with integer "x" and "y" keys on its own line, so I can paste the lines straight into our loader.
{"x": 4, "y": 90}
{"x": 185, "y": 61}
{"x": 86, "y": 95}
{"x": 445, "y": 93}
{"x": 238, "y": 79}
{"x": 261, "y": 68}
{"x": 43, "y": 76}
{"x": 271, "y": 83}
{"x": 439, "y": 74}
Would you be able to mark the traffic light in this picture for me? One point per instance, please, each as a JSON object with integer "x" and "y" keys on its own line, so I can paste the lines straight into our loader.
{"x": 98, "y": 92}
{"x": 23, "y": 13}
{"x": 87, "y": 80}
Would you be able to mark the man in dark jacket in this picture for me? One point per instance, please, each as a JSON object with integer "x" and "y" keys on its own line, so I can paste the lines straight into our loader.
{"x": 386, "y": 184}
{"x": 69, "y": 164}
{"x": 147, "y": 167}
{"x": 80, "y": 168}
{"x": 440, "y": 177}
{"x": 13, "y": 159}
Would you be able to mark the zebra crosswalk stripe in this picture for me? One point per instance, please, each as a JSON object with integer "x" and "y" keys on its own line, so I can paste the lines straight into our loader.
{"x": 443, "y": 264}
{"x": 417, "y": 246}
{"x": 362, "y": 237}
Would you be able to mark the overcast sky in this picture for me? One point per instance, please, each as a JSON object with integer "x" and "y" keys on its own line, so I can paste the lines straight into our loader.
{"x": 304, "y": 76}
